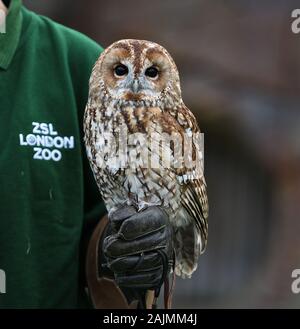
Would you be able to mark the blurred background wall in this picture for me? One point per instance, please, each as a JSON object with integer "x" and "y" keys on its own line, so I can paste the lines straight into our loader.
{"x": 240, "y": 72}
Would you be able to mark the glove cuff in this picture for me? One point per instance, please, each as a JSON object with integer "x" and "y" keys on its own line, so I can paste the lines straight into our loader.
{"x": 103, "y": 291}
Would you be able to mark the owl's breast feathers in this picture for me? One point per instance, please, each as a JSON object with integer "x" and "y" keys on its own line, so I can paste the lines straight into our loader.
{"x": 174, "y": 187}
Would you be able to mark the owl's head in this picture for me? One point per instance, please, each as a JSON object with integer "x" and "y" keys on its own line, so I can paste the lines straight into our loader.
{"x": 137, "y": 70}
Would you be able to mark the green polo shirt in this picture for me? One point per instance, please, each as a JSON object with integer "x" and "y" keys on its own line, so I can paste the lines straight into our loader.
{"x": 47, "y": 193}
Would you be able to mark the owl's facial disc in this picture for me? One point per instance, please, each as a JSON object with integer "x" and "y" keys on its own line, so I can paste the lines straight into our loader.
{"x": 131, "y": 85}
{"x": 136, "y": 70}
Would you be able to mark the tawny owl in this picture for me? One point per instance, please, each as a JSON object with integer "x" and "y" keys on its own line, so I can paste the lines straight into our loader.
{"x": 134, "y": 105}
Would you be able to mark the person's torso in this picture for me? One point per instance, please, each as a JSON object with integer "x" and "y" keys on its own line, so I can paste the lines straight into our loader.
{"x": 41, "y": 191}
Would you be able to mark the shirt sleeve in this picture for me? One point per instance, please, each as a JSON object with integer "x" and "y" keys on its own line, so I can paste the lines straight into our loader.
{"x": 83, "y": 54}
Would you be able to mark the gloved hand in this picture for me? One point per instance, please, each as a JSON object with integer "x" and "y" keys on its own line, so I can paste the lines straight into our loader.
{"x": 138, "y": 247}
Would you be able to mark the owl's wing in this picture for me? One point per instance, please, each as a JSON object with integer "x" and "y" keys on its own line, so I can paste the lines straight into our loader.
{"x": 195, "y": 202}
{"x": 191, "y": 237}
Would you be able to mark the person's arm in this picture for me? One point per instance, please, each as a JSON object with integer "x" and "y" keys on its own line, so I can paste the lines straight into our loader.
{"x": 83, "y": 53}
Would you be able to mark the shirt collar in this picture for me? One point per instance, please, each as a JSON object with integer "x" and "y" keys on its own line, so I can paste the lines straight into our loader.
{"x": 9, "y": 40}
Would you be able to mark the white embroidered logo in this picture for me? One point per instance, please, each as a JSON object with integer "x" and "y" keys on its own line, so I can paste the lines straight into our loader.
{"x": 46, "y": 142}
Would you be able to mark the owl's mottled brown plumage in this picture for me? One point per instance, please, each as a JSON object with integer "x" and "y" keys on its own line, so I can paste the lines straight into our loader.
{"x": 132, "y": 102}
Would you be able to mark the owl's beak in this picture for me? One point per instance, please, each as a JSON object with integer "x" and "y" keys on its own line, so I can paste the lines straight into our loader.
{"x": 135, "y": 87}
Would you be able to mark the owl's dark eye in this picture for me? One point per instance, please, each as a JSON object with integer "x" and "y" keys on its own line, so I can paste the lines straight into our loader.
{"x": 151, "y": 72}
{"x": 121, "y": 70}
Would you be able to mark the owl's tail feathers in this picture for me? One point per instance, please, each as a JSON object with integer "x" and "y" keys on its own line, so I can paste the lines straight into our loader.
{"x": 187, "y": 250}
